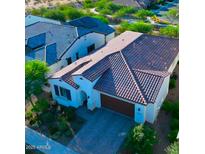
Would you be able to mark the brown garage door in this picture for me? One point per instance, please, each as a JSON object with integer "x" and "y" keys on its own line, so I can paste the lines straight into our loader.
{"x": 117, "y": 105}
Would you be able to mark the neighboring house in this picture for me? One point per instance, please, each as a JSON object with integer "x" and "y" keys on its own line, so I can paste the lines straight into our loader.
{"x": 87, "y": 24}
{"x": 135, "y": 3}
{"x": 60, "y": 45}
{"x": 129, "y": 75}
{"x": 31, "y": 19}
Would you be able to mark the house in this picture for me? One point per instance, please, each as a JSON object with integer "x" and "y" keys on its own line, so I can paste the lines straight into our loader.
{"x": 61, "y": 44}
{"x": 129, "y": 75}
{"x": 31, "y": 19}
{"x": 87, "y": 24}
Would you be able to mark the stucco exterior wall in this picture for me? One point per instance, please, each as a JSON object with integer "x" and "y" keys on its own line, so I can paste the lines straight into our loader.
{"x": 172, "y": 67}
{"x": 153, "y": 109}
{"x": 87, "y": 87}
{"x": 161, "y": 96}
{"x": 140, "y": 112}
{"x": 110, "y": 37}
{"x": 80, "y": 46}
{"x": 75, "y": 94}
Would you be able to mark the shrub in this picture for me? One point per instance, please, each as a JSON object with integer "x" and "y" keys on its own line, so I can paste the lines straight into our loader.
{"x": 172, "y": 107}
{"x": 172, "y": 136}
{"x": 53, "y": 129}
{"x": 142, "y": 14}
{"x": 55, "y": 14}
{"x": 170, "y": 31}
{"x": 105, "y": 11}
{"x": 47, "y": 117}
{"x": 173, "y": 148}
{"x": 29, "y": 115}
{"x": 172, "y": 84}
{"x": 174, "y": 124}
{"x": 69, "y": 113}
{"x": 124, "y": 11}
{"x": 141, "y": 140}
{"x": 68, "y": 133}
{"x": 41, "y": 106}
{"x": 137, "y": 27}
{"x": 174, "y": 76}
{"x": 88, "y": 4}
{"x": 101, "y": 18}
{"x": 73, "y": 13}
{"x": 62, "y": 124}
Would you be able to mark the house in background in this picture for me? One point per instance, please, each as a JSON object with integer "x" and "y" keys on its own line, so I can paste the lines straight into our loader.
{"x": 31, "y": 19}
{"x": 61, "y": 44}
{"x": 129, "y": 75}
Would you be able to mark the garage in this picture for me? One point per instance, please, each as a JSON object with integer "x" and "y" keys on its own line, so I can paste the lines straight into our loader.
{"x": 117, "y": 105}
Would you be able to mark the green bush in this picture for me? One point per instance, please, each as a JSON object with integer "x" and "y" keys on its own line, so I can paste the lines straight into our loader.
{"x": 172, "y": 107}
{"x": 62, "y": 124}
{"x": 88, "y": 4}
{"x": 53, "y": 129}
{"x": 172, "y": 136}
{"x": 55, "y": 14}
{"x": 69, "y": 113}
{"x": 141, "y": 140}
{"x": 137, "y": 27}
{"x": 174, "y": 124}
{"x": 29, "y": 115}
{"x": 125, "y": 11}
{"x": 172, "y": 84}
{"x": 41, "y": 106}
{"x": 170, "y": 31}
{"x": 173, "y": 148}
{"x": 47, "y": 117}
{"x": 101, "y": 18}
{"x": 142, "y": 14}
{"x": 73, "y": 13}
{"x": 68, "y": 133}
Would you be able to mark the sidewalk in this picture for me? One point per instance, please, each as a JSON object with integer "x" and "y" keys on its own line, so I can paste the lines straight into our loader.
{"x": 45, "y": 144}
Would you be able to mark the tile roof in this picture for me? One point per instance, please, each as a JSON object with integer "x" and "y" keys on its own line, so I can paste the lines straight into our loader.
{"x": 68, "y": 76}
{"x": 133, "y": 68}
{"x": 53, "y": 37}
{"x": 118, "y": 81}
{"x": 88, "y": 24}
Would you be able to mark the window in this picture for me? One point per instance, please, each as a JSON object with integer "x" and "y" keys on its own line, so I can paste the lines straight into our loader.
{"x": 69, "y": 60}
{"x": 91, "y": 48}
{"x": 56, "y": 90}
{"x": 77, "y": 56}
{"x": 65, "y": 93}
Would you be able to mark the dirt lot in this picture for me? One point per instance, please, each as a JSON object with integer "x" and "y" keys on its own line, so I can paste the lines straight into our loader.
{"x": 47, "y": 3}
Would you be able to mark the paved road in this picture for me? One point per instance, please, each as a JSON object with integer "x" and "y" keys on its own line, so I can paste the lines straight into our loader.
{"x": 45, "y": 144}
{"x": 103, "y": 133}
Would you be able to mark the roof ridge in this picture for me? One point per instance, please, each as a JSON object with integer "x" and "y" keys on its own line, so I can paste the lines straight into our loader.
{"x": 144, "y": 100}
{"x": 153, "y": 72}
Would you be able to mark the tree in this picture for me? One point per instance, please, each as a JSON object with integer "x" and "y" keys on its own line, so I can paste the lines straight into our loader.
{"x": 173, "y": 148}
{"x": 141, "y": 139}
{"x": 35, "y": 72}
{"x": 171, "y": 31}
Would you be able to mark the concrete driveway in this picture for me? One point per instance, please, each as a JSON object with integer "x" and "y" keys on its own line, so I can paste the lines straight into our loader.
{"x": 103, "y": 133}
